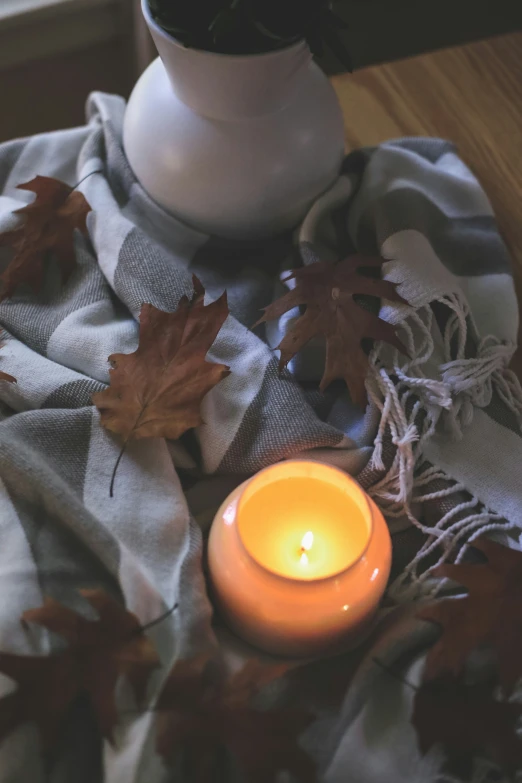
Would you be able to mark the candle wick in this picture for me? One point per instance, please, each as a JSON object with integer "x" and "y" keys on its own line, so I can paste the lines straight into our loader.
{"x": 306, "y": 545}
{"x": 307, "y": 542}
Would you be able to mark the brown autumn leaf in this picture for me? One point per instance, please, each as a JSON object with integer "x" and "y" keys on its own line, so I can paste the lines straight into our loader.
{"x": 323, "y": 684}
{"x": 202, "y": 714}
{"x": 3, "y": 375}
{"x": 488, "y": 616}
{"x": 99, "y": 652}
{"x": 327, "y": 290}
{"x": 51, "y": 220}
{"x": 156, "y": 392}
{"x": 469, "y": 723}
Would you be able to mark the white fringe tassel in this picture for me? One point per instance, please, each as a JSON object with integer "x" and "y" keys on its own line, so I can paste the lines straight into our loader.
{"x": 412, "y": 404}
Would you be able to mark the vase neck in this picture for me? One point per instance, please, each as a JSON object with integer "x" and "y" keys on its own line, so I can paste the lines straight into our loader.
{"x": 230, "y": 87}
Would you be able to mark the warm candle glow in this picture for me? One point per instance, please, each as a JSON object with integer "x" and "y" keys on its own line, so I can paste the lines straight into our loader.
{"x": 303, "y": 521}
{"x": 299, "y": 557}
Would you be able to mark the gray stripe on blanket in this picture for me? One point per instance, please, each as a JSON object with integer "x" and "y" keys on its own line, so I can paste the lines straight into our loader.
{"x": 468, "y": 246}
{"x": 119, "y": 173}
{"x": 146, "y": 274}
{"x": 33, "y": 319}
{"x": 64, "y": 563}
{"x": 93, "y": 149}
{"x": 278, "y": 416}
{"x": 43, "y": 458}
{"x": 10, "y": 155}
{"x": 60, "y": 438}
{"x": 76, "y": 394}
{"x": 500, "y": 413}
{"x": 194, "y": 631}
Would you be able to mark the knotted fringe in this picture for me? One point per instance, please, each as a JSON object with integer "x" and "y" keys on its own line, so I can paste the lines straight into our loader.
{"x": 412, "y": 405}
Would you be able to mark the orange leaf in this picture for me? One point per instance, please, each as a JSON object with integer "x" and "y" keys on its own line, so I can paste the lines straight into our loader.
{"x": 327, "y": 290}
{"x": 51, "y": 220}
{"x": 157, "y": 390}
{"x": 202, "y": 715}
{"x": 468, "y": 722}
{"x": 488, "y": 616}
{"x": 99, "y": 652}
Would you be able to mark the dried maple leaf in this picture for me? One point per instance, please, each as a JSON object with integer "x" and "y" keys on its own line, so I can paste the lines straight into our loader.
{"x": 3, "y": 375}
{"x": 327, "y": 290}
{"x": 469, "y": 723}
{"x": 51, "y": 220}
{"x": 201, "y": 715}
{"x": 157, "y": 390}
{"x": 99, "y": 652}
{"x": 324, "y": 683}
{"x": 488, "y": 616}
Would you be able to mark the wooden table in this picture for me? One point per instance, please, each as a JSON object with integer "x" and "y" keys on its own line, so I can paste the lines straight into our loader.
{"x": 471, "y": 95}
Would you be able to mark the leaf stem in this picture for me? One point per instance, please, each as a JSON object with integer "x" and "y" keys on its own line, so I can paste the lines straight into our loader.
{"x": 98, "y": 171}
{"x": 120, "y": 455}
{"x": 159, "y": 619}
{"x": 393, "y": 674}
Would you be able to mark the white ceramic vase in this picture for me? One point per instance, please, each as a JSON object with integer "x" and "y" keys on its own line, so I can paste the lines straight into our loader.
{"x": 236, "y": 146}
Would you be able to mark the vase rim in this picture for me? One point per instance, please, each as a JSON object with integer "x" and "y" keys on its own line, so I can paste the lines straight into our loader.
{"x": 271, "y": 53}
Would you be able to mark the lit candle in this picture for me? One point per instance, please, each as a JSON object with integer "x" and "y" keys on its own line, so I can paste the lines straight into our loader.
{"x": 299, "y": 558}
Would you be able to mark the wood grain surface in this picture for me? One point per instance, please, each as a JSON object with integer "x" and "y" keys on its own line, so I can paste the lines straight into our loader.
{"x": 471, "y": 95}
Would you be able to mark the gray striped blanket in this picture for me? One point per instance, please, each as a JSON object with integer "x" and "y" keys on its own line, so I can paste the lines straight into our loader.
{"x": 439, "y": 446}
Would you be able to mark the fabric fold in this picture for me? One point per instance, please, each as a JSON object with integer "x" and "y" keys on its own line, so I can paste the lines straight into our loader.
{"x": 437, "y": 446}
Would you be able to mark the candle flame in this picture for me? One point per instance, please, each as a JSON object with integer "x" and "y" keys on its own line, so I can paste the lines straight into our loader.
{"x": 306, "y": 545}
{"x": 307, "y": 542}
